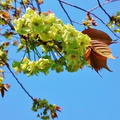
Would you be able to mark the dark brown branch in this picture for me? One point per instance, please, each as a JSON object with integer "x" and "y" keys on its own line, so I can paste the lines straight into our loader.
{"x": 23, "y": 4}
{"x": 37, "y": 53}
{"x": 9, "y": 23}
{"x": 31, "y": 2}
{"x": 8, "y": 67}
{"x": 104, "y": 3}
{"x": 65, "y": 12}
{"x": 73, "y": 6}
{"x": 15, "y": 8}
{"x": 92, "y": 9}
{"x": 38, "y": 6}
{"x": 103, "y": 9}
{"x": 11, "y": 26}
{"x": 18, "y": 81}
{"x": 77, "y": 22}
{"x": 114, "y": 0}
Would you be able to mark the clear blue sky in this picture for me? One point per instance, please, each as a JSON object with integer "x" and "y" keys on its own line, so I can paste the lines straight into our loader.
{"x": 83, "y": 95}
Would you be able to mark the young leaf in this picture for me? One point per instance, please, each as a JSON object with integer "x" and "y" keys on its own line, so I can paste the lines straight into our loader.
{"x": 6, "y": 15}
{"x": 4, "y": 88}
{"x": 101, "y": 48}
{"x": 96, "y": 61}
{"x": 98, "y": 35}
{"x": 98, "y": 52}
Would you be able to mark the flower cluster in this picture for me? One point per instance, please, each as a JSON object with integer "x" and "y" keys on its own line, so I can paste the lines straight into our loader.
{"x": 46, "y": 110}
{"x": 89, "y": 21}
{"x": 115, "y": 22}
{"x": 32, "y": 67}
{"x": 74, "y": 46}
{"x": 49, "y": 33}
{"x": 3, "y": 59}
{"x": 6, "y": 4}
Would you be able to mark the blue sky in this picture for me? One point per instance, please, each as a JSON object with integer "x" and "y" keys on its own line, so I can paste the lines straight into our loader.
{"x": 82, "y": 95}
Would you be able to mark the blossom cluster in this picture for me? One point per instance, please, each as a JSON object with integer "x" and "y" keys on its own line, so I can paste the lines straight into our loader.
{"x": 115, "y": 23}
{"x": 51, "y": 35}
{"x": 47, "y": 111}
{"x": 3, "y": 59}
{"x": 32, "y": 67}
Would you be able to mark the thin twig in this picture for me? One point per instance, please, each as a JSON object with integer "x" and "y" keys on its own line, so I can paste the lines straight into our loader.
{"x": 27, "y": 47}
{"x": 52, "y": 52}
{"x": 31, "y": 2}
{"x": 7, "y": 65}
{"x": 104, "y": 3}
{"x": 23, "y": 4}
{"x": 73, "y": 6}
{"x": 37, "y": 53}
{"x": 9, "y": 23}
{"x": 77, "y": 22}
{"x": 103, "y": 9}
{"x": 58, "y": 53}
{"x": 23, "y": 56}
{"x": 15, "y": 8}
{"x": 34, "y": 55}
{"x": 11, "y": 26}
{"x": 114, "y": 0}
{"x": 65, "y": 12}
{"x": 38, "y": 6}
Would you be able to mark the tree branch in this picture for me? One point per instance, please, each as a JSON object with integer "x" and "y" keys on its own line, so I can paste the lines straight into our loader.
{"x": 103, "y": 9}
{"x": 23, "y": 4}
{"x": 38, "y": 6}
{"x": 65, "y": 12}
{"x": 18, "y": 80}
{"x": 104, "y": 3}
{"x": 77, "y": 22}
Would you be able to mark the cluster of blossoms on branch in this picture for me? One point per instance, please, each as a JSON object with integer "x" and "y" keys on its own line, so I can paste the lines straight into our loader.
{"x": 64, "y": 42}
{"x": 3, "y": 59}
{"x": 115, "y": 22}
{"x": 46, "y": 108}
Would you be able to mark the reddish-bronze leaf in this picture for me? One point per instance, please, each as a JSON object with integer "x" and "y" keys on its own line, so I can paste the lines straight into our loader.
{"x": 2, "y": 92}
{"x": 98, "y": 52}
{"x": 101, "y": 48}
{"x": 98, "y": 35}
{"x": 97, "y": 61}
{"x": 6, "y": 15}
{"x": 54, "y": 115}
{"x": 87, "y": 54}
{"x": 4, "y": 88}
